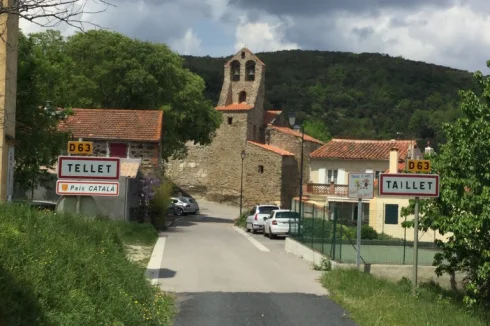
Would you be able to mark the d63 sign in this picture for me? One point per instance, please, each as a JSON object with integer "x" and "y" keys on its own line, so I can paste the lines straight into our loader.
{"x": 419, "y": 165}
{"x": 80, "y": 147}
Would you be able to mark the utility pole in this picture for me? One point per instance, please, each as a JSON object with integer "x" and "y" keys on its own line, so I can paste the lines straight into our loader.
{"x": 9, "y": 29}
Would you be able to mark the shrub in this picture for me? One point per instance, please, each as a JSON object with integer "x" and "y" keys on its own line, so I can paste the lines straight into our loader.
{"x": 241, "y": 221}
{"x": 69, "y": 270}
{"x": 368, "y": 232}
{"x": 159, "y": 204}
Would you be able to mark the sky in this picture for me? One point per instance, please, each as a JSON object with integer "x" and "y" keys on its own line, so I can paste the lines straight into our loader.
{"x": 452, "y": 33}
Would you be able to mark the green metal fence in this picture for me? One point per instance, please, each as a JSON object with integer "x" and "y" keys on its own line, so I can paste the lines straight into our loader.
{"x": 335, "y": 237}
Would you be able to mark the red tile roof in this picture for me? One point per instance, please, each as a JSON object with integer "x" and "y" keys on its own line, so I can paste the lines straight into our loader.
{"x": 107, "y": 124}
{"x": 270, "y": 115}
{"x": 274, "y": 149}
{"x": 351, "y": 149}
{"x": 235, "y": 107}
{"x": 290, "y": 131}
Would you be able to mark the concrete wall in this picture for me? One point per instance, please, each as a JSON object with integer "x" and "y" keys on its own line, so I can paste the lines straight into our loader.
{"x": 392, "y": 273}
{"x": 348, "y": 165}
{"x": 377, "y": 220}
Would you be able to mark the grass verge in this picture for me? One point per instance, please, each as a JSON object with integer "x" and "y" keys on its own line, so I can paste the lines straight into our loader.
{"x": 67, "y": 270}
{"x": 373, "y": 301}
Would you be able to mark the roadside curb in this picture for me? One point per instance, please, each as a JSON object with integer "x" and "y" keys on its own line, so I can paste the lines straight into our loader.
{"x": 155, "y": 263}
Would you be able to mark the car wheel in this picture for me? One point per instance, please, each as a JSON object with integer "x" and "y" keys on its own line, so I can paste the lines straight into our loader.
{"x": 179, "y": 211}
{"x": 265, "y": 234}
{"x": 271, "y": 236}
{"x": 253, "y": 230}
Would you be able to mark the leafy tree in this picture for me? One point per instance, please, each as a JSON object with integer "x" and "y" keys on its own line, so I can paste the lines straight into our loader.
{"x": 462, "y": 211}
{"x": 39, "y": 141}
{"x": 317, "y": 129}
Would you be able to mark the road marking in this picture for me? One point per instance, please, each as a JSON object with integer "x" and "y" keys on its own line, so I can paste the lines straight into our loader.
{"x": 257, "y": 244}
{"x": 155, "y": 263}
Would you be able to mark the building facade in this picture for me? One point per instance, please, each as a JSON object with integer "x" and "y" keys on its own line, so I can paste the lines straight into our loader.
{"x": 272, "y": 149}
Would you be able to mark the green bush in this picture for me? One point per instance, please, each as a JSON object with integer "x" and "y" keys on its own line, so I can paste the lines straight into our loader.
{"x": 69, "y": 270}
{"x": 368, "y": 232}
{"x": 241, "y": 221}
{"x": 159, "y": 205}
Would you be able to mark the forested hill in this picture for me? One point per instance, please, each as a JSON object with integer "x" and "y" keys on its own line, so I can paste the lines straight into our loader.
{"x": 356, "y": 95}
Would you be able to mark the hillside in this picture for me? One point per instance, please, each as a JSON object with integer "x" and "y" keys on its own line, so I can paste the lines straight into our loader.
{"x": 356, "y": 95}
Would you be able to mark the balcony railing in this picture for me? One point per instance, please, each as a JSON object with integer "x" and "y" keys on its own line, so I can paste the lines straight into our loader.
{"x": 327, "y": 189}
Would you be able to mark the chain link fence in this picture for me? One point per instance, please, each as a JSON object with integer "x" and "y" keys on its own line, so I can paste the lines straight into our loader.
{"x": 334, "y": 235}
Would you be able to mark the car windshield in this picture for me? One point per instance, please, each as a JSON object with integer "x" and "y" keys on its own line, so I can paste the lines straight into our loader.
{"x": 267, "y": 209}
{"x": 185, "y": 200}
{"x": 287, "y": 215}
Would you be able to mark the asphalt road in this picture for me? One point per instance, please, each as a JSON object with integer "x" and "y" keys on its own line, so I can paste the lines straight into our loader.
{"x": 226, "y": 277}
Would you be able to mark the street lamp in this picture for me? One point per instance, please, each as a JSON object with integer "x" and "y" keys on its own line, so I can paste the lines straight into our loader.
{"x": 292, "y": 123}
{"x": 243, "y": 155}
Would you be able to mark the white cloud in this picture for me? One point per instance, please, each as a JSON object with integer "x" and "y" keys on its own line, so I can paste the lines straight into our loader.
{"x": 262, "y": 36}
{"x": 455, "y": 36}
{"x": 189, "y": 44}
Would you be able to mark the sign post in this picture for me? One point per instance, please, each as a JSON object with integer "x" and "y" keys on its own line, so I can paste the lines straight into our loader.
{"x": 412, "y": 185}
{"x": 361, "y": 186}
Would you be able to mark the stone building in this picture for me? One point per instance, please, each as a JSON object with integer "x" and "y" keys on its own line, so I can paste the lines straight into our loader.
{"x": 272, "y": 162}
{"x": 127, "y": 134}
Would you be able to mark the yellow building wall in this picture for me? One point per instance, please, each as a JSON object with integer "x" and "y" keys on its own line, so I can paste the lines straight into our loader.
{"x": 377, "y": 220}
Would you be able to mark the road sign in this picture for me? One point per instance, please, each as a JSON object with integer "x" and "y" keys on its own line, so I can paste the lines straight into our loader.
{"x": 87, "y": 188}
{"x": 361, "y": 185}
{"x": 419, "y": 165}
{"x": 80, "y": 147}
{"x": 413, "y": 185}
{"x": 95, "y": 168}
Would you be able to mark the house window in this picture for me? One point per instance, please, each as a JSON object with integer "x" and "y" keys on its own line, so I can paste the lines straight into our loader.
{"x": 332, "y": 176}
{"x": 118, "y": 150}
{"x": 243, "y": 54}
{"x": 261, "y": 169}
{"x": 391, "y": 214}
{"x": 230, "y": 120}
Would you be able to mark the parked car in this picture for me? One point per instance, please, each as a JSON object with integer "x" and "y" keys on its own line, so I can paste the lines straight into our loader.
{"x": 42, "y": 205}
{"x": 183, "y": 206}
{"x": 255, "y": 219}
{"x": 194, "y": 204}
{"x": 280, "y": 223}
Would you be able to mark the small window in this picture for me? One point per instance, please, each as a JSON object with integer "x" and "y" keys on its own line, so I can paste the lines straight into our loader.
{"x": 261, "y": 169}
{"x": 235, "y": 71}
{"x": 391, "y": 214}
{"x": 242, "y": 97}
{"x": 118, "y": 150}
{"x": 243, "y": 54}
{"x": 250, "y": 71}
{"x": 230, "y": 120}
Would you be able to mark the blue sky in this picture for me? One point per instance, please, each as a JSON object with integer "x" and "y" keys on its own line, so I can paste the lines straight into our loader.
{"x": 447, "y": 32}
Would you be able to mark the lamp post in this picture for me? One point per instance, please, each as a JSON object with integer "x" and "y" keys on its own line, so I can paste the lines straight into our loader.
{"x": 243, "y": 155}
{"x": 292, "y": 123}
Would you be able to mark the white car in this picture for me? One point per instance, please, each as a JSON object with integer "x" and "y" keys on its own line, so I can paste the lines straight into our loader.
{"x": 255, "y": 219}
{"x": 280, "y": 223}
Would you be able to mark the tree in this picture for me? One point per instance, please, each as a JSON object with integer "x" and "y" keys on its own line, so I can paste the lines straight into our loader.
{"x": 462, "y": 211}
{"x": 317, "y": 129}
{"x": 50, "y": 13}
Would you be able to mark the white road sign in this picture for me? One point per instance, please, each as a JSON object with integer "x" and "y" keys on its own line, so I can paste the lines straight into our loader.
{"x": 413, "y": 185}
{"x": 95, "y": 168}
{"x": 361, "y": 185}
{"x": 87, "y": 188}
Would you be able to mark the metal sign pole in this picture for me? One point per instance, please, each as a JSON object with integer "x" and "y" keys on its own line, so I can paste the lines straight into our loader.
{"x": 359, "y": 216}
{"x": 415, "y": 245}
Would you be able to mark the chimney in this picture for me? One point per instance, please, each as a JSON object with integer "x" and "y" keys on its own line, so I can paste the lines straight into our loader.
{"x": 393, "y": 160}
{"x": 429, "y": 150}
